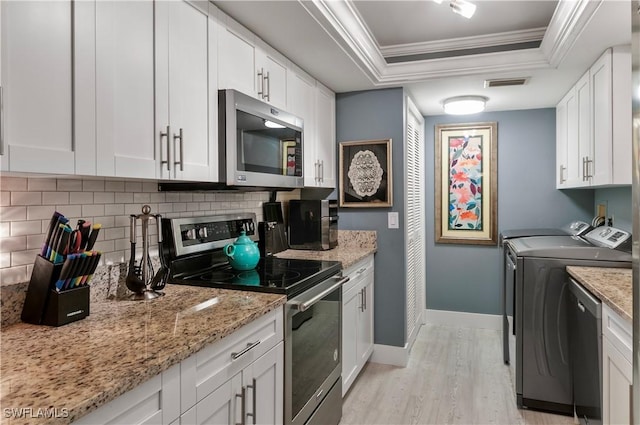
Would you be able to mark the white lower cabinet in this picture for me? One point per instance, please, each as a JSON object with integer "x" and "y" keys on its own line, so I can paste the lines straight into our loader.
{"x": 357, "y": 320}
{"x": 238, "y": 379}
{"x": 617, "y": 369}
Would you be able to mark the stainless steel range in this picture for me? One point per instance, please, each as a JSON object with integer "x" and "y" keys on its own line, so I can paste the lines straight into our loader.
{"x": 313, "y": 312}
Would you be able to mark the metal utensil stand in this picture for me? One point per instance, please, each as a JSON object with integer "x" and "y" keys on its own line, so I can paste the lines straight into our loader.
{"x": 140, "y": 279}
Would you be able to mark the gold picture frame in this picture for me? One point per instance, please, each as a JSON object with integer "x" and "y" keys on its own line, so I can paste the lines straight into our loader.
{"x": 466, "y": 183}
{"x": 365, "y": 174}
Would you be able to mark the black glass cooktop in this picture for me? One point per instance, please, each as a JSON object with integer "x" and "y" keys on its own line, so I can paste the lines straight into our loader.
{"x": 274, "y": 275}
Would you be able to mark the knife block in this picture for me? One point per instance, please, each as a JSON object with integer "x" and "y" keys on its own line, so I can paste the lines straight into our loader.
{"x": 44, "y": 305}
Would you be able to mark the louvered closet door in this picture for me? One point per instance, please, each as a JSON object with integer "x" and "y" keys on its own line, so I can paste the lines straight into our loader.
{"x": 415, "y": 221}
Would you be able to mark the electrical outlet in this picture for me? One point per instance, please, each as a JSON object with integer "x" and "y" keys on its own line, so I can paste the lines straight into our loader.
{"x": 393, "y": 220}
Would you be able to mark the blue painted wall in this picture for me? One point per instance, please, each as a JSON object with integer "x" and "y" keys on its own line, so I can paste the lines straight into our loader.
{"x": 464, "y": 277}
{"x": 368, "y": 115}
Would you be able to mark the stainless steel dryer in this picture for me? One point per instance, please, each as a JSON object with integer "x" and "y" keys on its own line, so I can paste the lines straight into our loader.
{"x": 537, "y": 267}
{"x": 574, "y": 228}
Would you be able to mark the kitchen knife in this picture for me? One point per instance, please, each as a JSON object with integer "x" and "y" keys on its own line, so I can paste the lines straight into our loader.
{"x": 83, "y": 268}
{"x": 93, "y": 236}
{"x": 62, "y": 221}
{"x": 95, "y": 260}
{"x": 84, "y": 229}
{"x": 72, "y": 272}
{"x": 64, "y": 273}
{"x": 47, "y": 239}
{"x": 57, "y": 235}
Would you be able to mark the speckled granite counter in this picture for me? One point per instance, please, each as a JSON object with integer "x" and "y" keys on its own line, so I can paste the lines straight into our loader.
{"x": 85, "y": 364}
{"x": 353, "y": 246}
{"x": 613, "y": 286}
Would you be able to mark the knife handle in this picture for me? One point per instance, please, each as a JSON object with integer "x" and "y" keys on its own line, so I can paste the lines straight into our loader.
{"x": 93, "y": 236}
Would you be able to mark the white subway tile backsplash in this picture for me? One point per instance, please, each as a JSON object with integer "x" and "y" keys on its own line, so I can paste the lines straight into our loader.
{"x": 68, "y": 185}
{"x": 103, "y": 198}
{"x": 26, "y": 198}
{"x": 39, "y": 184}
{"x": 76, "y": 198}
{"x": 13, "y": 213}
{"x": 16, "y": 243}
{"x": 38, "y": 212}
{"x": 133, "y": 186}
{"x": 23, "y": 258}
{"x": 92, "y": 210}
{"x": 93, "y": 185}
{"x": 108, "y": 202}
{"x": 20, "y": 228}
{"x": 55, "y": 198}
{"x": 123, "y": 198}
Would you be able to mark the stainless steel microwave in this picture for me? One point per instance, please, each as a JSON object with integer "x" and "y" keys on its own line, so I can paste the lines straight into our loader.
{"x": 260, "y": 146}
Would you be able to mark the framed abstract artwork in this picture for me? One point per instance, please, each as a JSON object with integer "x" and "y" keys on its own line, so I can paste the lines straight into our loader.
{"x": 466, "y": 182}
{"x": 365, "y": 174}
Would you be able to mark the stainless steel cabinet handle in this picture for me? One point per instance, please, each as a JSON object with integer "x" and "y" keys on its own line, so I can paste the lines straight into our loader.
{"x": 322, "y": 170}
{"x": 302, "y": 306}
{"x": 268, "y": 81}
{"x": 584, "y": 171}
{"x": 165, "y": 135}
{"x": 362, "y": 300}
{"x": 179, "y": 136}
{"x": 589, "y": 168}
{"x": 249, "y": 346}
{"x": 631, "y": 404}
{"x": 261, "y": 83}
{"x": 562, "y": 179}
{"x": 1, "y": 121}
{"x": 242, "y": 396}
{"x": 581, "y": 306}
{"x": 362, "y": 270}
{"x": 366, "y": 307}
{"x": 253, "y": 400}
{"x": 317, "y": 169}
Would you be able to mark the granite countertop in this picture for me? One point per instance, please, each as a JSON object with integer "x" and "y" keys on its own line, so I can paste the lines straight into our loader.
{"x": 613, "y": 286}
{"x": 353, "y": 246}
{"x": 85, "y": 364}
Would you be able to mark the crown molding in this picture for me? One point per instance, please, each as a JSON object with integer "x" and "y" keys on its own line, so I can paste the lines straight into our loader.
{"x": 462, "y": 43}
{"x": 346, "y": 27}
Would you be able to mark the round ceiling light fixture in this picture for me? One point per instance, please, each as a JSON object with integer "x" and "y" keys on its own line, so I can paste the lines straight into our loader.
{"x": 464, "y": 105}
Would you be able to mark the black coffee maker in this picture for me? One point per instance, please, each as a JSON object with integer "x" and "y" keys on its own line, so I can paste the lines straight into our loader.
{"x": 272, "y": 231}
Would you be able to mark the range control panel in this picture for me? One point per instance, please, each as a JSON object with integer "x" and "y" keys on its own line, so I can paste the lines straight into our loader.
{"x": 608, "y": 237}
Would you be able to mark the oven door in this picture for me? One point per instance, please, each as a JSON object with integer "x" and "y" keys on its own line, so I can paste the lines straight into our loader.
{"x": 313, "y": 344}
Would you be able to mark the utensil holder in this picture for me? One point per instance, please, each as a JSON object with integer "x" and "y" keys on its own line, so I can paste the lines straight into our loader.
{"x": 44, "y": 305}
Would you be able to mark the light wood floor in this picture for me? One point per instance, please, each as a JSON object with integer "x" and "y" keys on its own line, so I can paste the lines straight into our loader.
{"x": 454, "y": 376}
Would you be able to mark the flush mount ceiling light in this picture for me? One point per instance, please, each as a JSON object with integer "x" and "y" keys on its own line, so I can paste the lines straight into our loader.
{"x": 272, "y": 124}
{"x": 463, "y": 105}
{"x": 461, "y": 7}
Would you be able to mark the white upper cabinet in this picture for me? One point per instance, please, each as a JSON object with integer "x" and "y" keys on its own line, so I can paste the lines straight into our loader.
{"x": 37, "y": 88}
{"x": 186, "y": 146}
{"x": 249, "y": 65}
{"x": 271, "y": 75}
{"x": 593, "y": 125}
{"x": 124, "y": 91}
{"x": 324, "y": 145}
{"x": 236, "y": 57}
{"x": 301, "y": 101}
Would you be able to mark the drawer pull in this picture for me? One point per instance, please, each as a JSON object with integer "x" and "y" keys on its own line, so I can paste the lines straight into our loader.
{"x": 250, "y": 345}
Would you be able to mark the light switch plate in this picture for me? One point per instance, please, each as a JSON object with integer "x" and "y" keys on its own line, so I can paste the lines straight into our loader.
{"x": 393, "y": 220}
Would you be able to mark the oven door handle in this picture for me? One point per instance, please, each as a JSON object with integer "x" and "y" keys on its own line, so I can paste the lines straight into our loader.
{"x": 304, "y": 305}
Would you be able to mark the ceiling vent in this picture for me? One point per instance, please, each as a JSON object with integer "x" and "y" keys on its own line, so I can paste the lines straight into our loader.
{"x": 505, "y": 82}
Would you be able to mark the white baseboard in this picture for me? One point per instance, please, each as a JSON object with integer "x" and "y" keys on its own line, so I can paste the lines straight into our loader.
{"x": 390, "y": 354}
{"x": 467, "y": 320}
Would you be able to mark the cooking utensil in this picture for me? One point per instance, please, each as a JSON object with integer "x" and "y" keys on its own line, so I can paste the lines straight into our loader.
{"x": 141, "y": 279}
{"x": 160, "y": 279}
{"x": 133, "y": 282}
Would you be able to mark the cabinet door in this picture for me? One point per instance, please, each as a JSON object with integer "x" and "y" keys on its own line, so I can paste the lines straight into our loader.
{"x": 561, "y": 143}
{"x": 365, "y": 323}
{"x": 351, "y": 306}
{"x": 616, "y": 385}
{"x": 271, "y": 75}
{"x": 301, "y": 102}
{"x": 600, "y": 169}
{"x": 325, "y": 143}
{"x": 223, "y": 406}
{"x": 188, "y": 91}
{"x": 585, "y": 151}
{"x": 124, "y": 89}
{"x": 236, "y": 57}
{"x": 264, "y": 383}
{"x": 37, "y": 87}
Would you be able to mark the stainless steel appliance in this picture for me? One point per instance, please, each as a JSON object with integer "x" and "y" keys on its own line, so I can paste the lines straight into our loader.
{"x": 259, "y": 145}
{"x": 313, "y": 312}
{"x": 313, "y": 224}
{"x": 574, "y": 228}
{"x": 585, "y": 346}
{"x": 537, "y": 266}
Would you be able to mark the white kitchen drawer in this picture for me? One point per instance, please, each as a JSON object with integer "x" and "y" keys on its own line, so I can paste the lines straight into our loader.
{"x": 215, "y": 364}
{"x": 618, "y": 331}
{"x": 357, "y": 273}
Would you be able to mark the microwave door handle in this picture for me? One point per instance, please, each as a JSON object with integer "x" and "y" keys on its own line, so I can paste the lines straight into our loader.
{"x": 305, "y": 305}
{"x": 333, "y": 218}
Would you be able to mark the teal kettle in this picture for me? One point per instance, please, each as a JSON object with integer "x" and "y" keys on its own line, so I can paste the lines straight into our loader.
{"x": 243, "y": 254}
